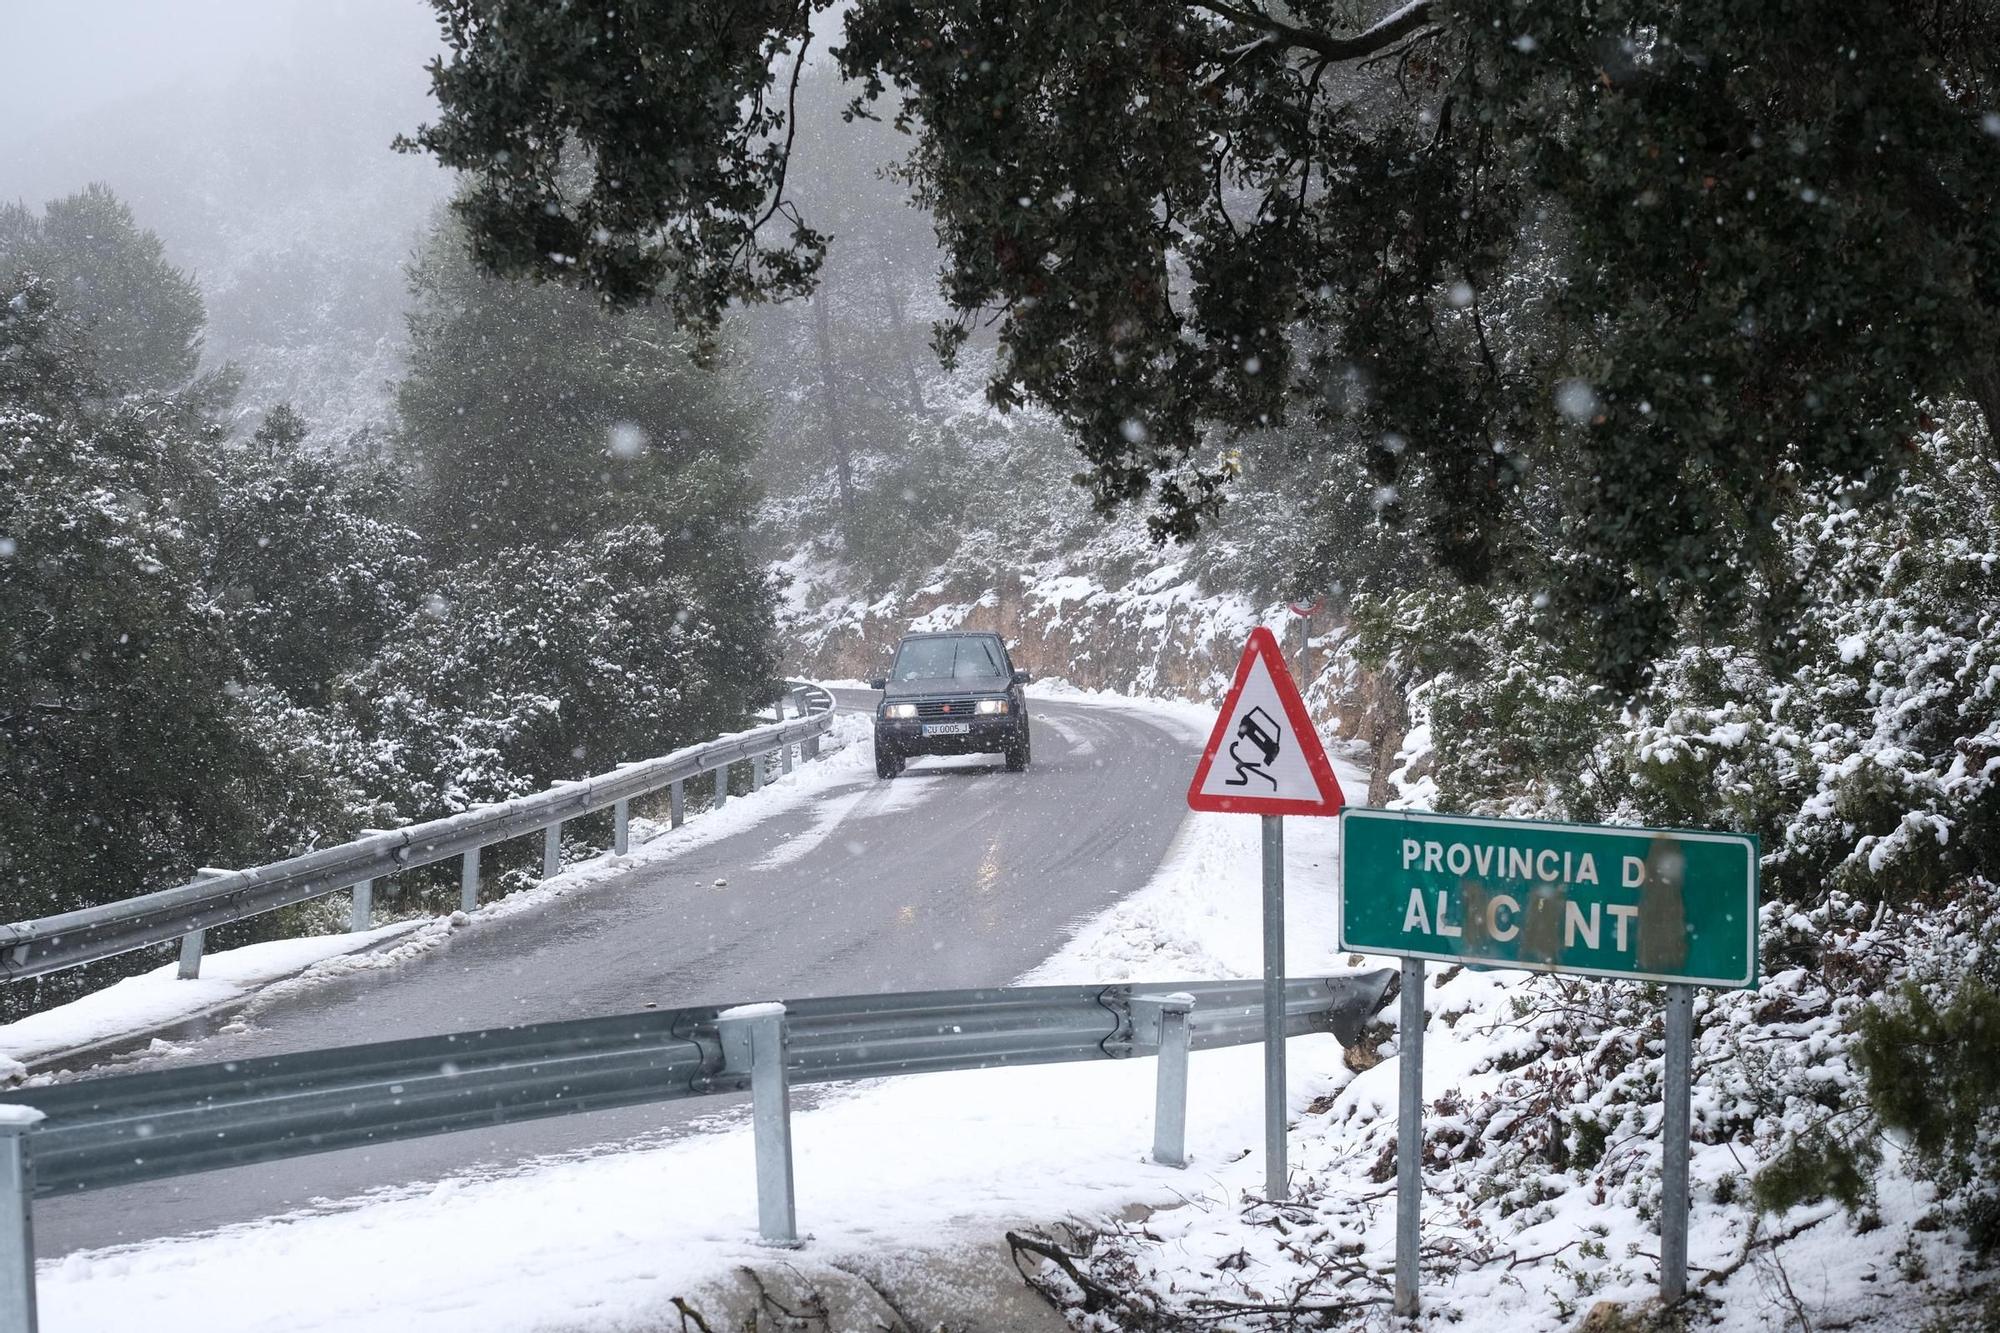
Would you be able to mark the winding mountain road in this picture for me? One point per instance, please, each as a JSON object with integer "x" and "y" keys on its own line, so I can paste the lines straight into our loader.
{"x": 956, "y": 874}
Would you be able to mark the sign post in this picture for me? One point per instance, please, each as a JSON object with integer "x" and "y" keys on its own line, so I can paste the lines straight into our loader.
{"x": 1277, "y": 1119}
{"x": 1672, "y": 906}
{"x": 1264, "y": 758}
{"x": 1409, "y": 1135}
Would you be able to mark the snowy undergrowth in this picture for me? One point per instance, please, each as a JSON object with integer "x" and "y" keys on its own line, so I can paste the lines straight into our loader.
{"x": 261, "y": 973}
{"x": 1094, "y": 599}
{"x": 1541, "y": 1153}
{"x": 1862, "y": 1072}
{"x": 1116, "y": 613}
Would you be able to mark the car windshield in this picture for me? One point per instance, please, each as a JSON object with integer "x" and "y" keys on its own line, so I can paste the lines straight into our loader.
{"x": 948, "y": 659}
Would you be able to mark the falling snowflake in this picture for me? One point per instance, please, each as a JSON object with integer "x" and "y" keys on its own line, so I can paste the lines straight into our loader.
{"x": 1576, "y": 400}
{"x": 626, "y": 440}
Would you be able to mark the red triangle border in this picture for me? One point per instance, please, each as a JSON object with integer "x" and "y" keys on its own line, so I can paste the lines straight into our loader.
{"x": 1265, "y": 645}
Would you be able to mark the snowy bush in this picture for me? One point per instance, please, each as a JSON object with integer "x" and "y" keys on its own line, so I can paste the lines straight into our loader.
{"x": 1852, "y": 723}
{"x": 550, "y": 663}
{"x": 308, "y": 563}
{"x": 1928, "y": 1059}
{"x": 1856, "y": 728}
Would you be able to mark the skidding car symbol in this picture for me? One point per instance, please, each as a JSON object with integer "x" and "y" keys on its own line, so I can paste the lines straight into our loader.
{"x": 1260, "y": 730}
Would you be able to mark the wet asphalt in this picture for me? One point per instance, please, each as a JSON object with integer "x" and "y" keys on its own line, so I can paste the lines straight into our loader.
{"x": 956, "y": 874}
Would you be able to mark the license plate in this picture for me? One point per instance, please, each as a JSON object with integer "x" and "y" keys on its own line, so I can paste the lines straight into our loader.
{"x": 947, "y": 729}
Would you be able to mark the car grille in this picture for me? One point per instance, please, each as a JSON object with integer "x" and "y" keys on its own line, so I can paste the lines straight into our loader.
{"x": 951, "y": 708}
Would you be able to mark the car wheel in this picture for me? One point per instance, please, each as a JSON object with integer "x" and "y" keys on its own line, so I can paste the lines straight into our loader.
{"x": 1017, "y": 754}
{"x": 887, "y": 762}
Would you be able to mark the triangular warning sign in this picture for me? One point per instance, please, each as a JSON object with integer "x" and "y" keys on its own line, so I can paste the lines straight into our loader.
{"x": 1264, "y": 757}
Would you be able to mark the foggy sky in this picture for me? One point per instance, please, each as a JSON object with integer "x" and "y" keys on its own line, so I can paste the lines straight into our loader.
{"x": 253, "y": 136}
{"x": 68, "y": 62}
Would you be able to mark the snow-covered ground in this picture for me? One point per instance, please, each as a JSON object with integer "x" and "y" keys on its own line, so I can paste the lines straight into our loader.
{"x": 1506, "y": 1246}
{"x": 895, "y": 1165}
{"x": 934, "y": 1163}
{"x": 156, "y": 999}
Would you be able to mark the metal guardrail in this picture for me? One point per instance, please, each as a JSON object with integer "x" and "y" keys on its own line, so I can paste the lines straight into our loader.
{"x": 48, "y": 944}
{"x": 118, "y": 1129}
{"x": 96, "y": 1133}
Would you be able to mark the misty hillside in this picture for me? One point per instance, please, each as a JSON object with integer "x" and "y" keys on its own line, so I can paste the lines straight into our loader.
{"x": 267, "y": 172}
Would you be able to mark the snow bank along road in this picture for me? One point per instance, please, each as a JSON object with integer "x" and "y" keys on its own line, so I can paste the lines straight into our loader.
{"x": 956, "y": 874}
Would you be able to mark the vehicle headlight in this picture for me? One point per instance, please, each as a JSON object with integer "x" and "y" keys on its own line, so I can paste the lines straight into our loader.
{"x": 992, "y": 706}
{"x": 899, "y": 710}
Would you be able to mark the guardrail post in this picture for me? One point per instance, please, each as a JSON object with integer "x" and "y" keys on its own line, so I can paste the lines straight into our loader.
{"x": 757, "y": 771}
{"x": 721, "y": 786}
{"x": 621, "y": 827}
{"x": 468, "y": 881}
{"x": 361, "y": 915}
{"x": 785, "y": 759}
{"x": 195, "y": 941}
{"x": 753, "y": 1040}
{"x": 17, "y": 1219}
{"x": 1161, "y": 1021}
{"x": 552, "y": 850}
{"x": 191, "y": 947}
{"x": 677, "y": 803}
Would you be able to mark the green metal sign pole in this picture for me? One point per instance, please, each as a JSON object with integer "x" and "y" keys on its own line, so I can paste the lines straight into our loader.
{"x": 1277, "y": 1178}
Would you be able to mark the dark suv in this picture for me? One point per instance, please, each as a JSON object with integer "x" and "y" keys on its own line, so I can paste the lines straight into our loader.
{"x": 955, "y": 693}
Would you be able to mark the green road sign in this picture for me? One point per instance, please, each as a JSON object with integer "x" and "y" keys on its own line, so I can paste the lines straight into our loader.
{"x": 1651, "y": 904}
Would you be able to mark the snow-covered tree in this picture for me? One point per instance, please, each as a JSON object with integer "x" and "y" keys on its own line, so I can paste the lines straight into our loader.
{"x": 551, "y": 662}
{"x": 584, "y": 490}
{"x": 305, "y": 559}
{"x": 1611, "y": 269}
{"x": 533, "y": 415}
{"x": 144, "y": 316}
{"x": 126, "y": 755}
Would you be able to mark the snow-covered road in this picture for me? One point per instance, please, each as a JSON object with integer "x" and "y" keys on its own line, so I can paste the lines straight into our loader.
{"x": 956, "y": 874}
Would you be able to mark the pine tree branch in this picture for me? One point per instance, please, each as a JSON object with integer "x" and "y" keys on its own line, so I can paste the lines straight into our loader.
{"x": 1385, "y": 33}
